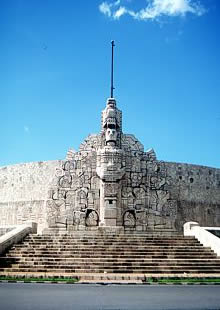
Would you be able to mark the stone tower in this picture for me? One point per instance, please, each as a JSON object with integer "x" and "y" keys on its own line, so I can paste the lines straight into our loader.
{"x": 110, "y": 164}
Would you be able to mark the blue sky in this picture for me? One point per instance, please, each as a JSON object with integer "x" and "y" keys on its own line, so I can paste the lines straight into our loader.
{"x": 55, "y": 76}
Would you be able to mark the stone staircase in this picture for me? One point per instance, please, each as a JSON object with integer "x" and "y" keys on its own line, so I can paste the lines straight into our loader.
{"x": 107, "y": 257}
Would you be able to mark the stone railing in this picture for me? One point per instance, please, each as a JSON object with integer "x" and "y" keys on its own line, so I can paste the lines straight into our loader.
{"x": 16, "y": 235}
{"x": 204, "y": 235}
{"x": 5, "y": 229}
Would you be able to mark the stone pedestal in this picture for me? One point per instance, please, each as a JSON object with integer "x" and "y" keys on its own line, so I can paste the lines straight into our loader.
{"x": 110, "y": 214}
{"x": 116, "y": 230}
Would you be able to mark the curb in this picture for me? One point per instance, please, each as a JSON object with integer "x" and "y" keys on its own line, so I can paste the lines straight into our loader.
{"x": 110, "y": 283}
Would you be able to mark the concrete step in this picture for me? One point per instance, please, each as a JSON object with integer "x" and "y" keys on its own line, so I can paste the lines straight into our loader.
{"x": 113, "y": 277}
{"x": 111, "y": 250}
{"x": 116, "y": 255}
{"x": 61, "y": 271}
{"x": 82, "y": 235}
{"x": 126, "y": 254}
{"x": 117, "y": 265}
{"x": 115, "y": 246}
{"x": 106, "y": 239}
{"x": 126, "y": 243}
{"x": 104, "y": 259}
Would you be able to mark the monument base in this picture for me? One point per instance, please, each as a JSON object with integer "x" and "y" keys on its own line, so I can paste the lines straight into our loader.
{"x": 76, "y": 230}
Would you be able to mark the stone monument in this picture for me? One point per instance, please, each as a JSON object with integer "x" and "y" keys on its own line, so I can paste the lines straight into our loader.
{"x": 109, "y": 183}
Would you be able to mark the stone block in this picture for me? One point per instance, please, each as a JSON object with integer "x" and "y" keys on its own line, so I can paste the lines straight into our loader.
{"x": 110, "y": 213}
{"x": 139, "y": 228}
{"x": 110, "y": 222}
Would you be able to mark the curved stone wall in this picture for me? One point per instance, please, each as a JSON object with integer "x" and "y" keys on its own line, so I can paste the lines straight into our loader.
{"x": 195, "y": 183}
{"x": 24, "y": 192}
{"x": 197, "y": 191}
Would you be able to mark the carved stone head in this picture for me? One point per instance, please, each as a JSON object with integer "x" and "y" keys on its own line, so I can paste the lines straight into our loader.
{"x": 110, "y": 134}
{"x": 111, "y": 123}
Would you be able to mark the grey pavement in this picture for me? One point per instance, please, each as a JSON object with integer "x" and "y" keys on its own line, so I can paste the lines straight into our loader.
{"x": 20, "y": 296}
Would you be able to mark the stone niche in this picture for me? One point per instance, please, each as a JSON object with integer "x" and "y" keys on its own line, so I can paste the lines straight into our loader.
{"x": 111, "y": 182}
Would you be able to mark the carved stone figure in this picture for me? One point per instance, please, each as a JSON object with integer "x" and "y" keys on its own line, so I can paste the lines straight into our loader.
{"x": 129, "y": 219}
{"x": 111, "y": 135}
{"x": 92, "y": 218}
{"x": 111, "y": 181}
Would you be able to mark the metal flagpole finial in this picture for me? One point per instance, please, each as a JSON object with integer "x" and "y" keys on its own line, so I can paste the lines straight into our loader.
{"x": 112, "y": 67}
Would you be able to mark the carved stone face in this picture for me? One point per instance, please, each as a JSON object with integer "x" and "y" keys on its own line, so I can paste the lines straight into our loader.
{"x": 110, "y": 135}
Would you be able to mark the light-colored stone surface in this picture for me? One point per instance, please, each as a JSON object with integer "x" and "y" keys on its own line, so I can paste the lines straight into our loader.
{"x": 197, "y": 190}
{"x": 111, "y": 181}
{"x": 24, "y": 192}
{"x": 6, "y": 229}
{"x": 203, "y": 235}
{"x": 23, "y": 182}
{"x": 16, "y": 235}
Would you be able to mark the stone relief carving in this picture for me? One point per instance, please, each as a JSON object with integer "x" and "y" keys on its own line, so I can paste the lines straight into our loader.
{"x": 92, "y": 218}
{"x": 129, "y": 219}
{"x": 111, "y": 180}
{"x": 111, "y": 189}
{"x": 65, "y": 181}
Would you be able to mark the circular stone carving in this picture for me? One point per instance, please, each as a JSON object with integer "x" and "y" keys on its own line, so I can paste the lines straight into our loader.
{"x": 92, "y": 218}
{"x": 129, "y": 219}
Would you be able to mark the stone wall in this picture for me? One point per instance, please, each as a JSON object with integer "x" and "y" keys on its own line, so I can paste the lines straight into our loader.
{"x": 24, "y": 191}
{"x": 5, "y": 229}
{"x": 197, "y": 191}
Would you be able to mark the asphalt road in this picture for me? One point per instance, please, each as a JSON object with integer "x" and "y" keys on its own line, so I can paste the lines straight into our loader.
{"x": 19, "y": 296}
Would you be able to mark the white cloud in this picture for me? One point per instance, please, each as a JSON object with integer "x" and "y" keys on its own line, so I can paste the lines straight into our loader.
{"x": 121, "y": 11}
{"x": 26, "y": 129}
{"x": 154, "y": 9}
{"x": 107, "y": 8}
